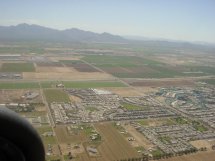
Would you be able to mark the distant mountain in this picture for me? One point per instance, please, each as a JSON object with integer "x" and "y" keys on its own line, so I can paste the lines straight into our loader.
{"x": 26, "y": 32}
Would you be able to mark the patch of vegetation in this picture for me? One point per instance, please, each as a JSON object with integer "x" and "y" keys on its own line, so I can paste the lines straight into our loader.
{"x": 17, "y": 67}
{"x": 91, "y": 109}
{"x": 93, "y": 84}
{"x": 55, "y": 95}
{"x": 180, "y": 120}
{"x": 140, "y": 148}
{"x": 46, "y": 139}
{"x": 165, "y": 139}
{"x": 20, "y": 85}
{"x": 199, "y": 127}
{"x": 157, "y": 153}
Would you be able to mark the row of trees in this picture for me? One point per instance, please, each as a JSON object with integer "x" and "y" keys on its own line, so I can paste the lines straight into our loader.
{"x": 161, "y": 156}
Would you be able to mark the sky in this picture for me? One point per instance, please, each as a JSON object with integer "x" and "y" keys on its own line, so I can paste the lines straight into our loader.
{"x": 189, "y": 20}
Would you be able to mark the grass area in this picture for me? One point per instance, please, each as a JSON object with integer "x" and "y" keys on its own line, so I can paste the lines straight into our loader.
{"x": 140, "y": 148}
{"x": 17, "y": 67}
{"x": 19, "y": 85}
{"x": 91, "y": 109}
{"x": 156, "y": 153}
{"x": 55, "y": 95}
{"x": 83, "y": 84}
{"x": 53, "y": 158}
{"x": 180, "y": 120}
{"x": 199, "y": 127}
{"x": 88, "y": 129}
{"x": 46, "y": 139}
{"x": 209, "y": 81}
{"x": 132, "y": 107}
{"x": 165, "y": 139}
{"x": 93, "y": 84}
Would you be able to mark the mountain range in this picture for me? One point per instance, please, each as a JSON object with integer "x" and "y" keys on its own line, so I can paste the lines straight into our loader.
{"x": 26, "y": 32}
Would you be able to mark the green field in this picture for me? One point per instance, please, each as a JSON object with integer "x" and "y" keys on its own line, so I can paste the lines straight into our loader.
{"x": 19, "y": 85}
{"x": 92, "y": 84}
{"x": 116, "y": 61}
{"x": 199, "y": 127}
{"x": 55, "y": 95}
{"x": 83, "y": 84}
{"x": 132, "y": 107}
{"x": 91, "y": 109}
{"x": 17, "y": 67}
{"x": 180, "y": 120}
{"x": 144, "y": 67}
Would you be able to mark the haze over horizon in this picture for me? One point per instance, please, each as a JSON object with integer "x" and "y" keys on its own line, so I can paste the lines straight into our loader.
{"x": 170, "y": 19}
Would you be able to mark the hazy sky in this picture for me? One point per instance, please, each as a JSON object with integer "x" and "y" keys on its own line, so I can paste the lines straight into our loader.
{"x": 192, "y": 20}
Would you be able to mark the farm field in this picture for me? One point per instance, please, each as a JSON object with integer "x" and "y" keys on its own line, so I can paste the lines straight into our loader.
{"x": 114, "y": 146}
{"x": 83, "y": 84}
{"x": 64, "y": 137}
{"x": 161, "y": 82}
{"x": 17, "y": 67}
{"x": 55, "y": 95}
{"x": 19, "y": 85}
{"x": 79, "y": 65}
{"x": 139, "y": 67}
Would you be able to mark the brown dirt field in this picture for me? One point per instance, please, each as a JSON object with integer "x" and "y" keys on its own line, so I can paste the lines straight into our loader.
{"x": 49, "y": 64}
{"x": 74, "y": 99}
{"x": 54, "y": 69}
{"x": 200, "y": 156}
{"x": 84, "y": 68}
{"x": 74, "y": 75}
{"x": 203, "y": 143}
{"x": 114, "y": 146}
{"x": 124, "y": 91}
{"x": 146, "y": 90}
{"x": 65, "y": 58}
{"x": 160, "y": 83}
{"x": 65, "y": 138}
{"x": 8, "y": 96}
{"x": 139, "y": 138}
{"x": 115, "y": 70}
{"x": 65, "y": 150}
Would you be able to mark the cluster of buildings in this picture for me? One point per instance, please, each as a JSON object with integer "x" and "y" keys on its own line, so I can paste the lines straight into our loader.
{"x": 101, "y": 105}
{"x": 196, "y": 103}
{"x": 19, "y": 107}
{"x": 174, "y": 139}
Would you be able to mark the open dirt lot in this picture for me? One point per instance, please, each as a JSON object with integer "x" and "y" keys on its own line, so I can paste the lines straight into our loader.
{"x": 8, "y": 96}
{"x": 65, "y": 138}
{"x": 55, "y": 69}
{"x": 139, "y": 138}
{"x": 114, "y": 146}
{"x": 203, "y": 143}
{"x": 125, "y": 91}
